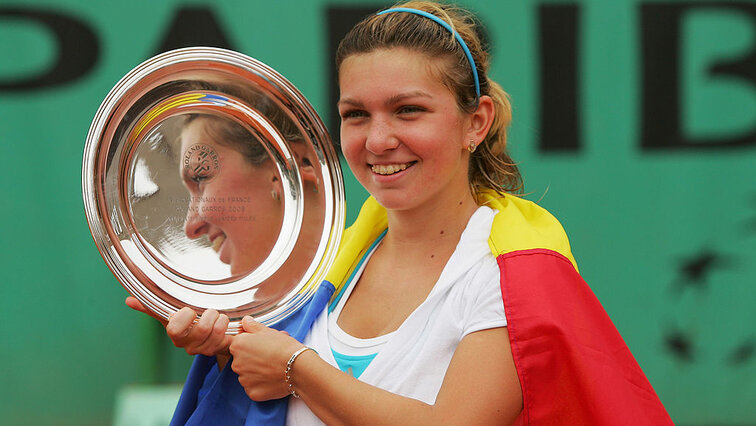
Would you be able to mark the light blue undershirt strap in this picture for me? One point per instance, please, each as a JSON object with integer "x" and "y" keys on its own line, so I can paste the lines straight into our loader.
{"x": 448, "y": 27}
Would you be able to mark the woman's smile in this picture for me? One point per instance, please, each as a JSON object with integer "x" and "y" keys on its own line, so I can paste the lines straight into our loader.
{"x": 390, "y": 169}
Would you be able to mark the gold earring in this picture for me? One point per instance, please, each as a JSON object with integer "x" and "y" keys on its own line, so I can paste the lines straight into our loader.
{"x": 472, "y": 146}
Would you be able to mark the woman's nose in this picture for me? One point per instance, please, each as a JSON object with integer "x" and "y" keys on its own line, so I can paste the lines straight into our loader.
{"x": 194, "y": 225}
{"x": 380, "y": 137}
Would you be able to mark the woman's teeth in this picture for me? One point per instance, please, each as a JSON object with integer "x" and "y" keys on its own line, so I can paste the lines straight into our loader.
{"x": 388, "y": 169}
{"x": 218, "y": 242}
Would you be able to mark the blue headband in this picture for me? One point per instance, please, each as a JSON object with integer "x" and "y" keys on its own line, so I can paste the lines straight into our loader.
{"x": 451, "y": 30}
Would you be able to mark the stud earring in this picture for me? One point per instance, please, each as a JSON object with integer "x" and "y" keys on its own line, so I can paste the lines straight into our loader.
{"x": 472, "y": 146}
{"x": 275, "y": 195}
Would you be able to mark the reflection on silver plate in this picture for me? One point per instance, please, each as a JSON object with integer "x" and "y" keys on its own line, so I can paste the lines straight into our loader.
{"x": 210, "y": 182}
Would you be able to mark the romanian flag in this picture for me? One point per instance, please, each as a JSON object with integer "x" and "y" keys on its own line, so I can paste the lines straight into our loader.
{"x": 574, "y": 368}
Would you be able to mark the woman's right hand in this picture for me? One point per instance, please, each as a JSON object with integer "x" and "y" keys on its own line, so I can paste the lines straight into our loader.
{"x": 207, "y": 336}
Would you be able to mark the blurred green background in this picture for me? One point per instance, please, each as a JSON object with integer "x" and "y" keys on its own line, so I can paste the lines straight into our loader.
{"x": 634, "y": 123}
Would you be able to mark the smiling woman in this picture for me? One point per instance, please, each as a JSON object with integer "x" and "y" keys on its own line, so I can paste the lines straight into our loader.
{"x": 452, "y": 300}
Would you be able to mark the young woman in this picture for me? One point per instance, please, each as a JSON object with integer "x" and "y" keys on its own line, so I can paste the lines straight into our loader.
{"x": 451, "y": 296}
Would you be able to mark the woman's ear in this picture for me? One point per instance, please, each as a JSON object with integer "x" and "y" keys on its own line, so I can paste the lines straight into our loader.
{"x": 308, "y": 174}
{"x": 482, "y": 119}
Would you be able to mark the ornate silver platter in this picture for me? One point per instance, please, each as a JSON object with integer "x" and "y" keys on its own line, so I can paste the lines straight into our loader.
{"x": 209, "y": 181}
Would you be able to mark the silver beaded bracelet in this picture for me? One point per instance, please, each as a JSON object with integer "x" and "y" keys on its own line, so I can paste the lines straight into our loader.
{"x": 288, "y": 369}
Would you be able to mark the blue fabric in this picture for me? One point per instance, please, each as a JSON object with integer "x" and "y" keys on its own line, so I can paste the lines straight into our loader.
{"x": 212, "y": 398}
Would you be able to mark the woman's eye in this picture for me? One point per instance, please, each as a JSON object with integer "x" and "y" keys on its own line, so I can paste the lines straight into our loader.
{"x": 198, "y": 179}
{"x": 409, "y": 109}
{"x": 352, "y": 113}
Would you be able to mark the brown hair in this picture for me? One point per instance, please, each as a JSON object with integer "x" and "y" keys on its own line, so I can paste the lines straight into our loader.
{"x": 226, "y": 131}
{"x": 490, "y": 164}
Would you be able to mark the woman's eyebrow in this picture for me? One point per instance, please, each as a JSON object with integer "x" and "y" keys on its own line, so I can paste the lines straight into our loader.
{"x": 389, "y": 101}
{"x": 348, "y": 101}
{"x": 408, "y": 95}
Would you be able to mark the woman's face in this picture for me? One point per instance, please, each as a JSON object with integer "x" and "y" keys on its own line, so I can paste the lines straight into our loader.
{"x": 401, "y": 130}
{"x": 235, "y": 204}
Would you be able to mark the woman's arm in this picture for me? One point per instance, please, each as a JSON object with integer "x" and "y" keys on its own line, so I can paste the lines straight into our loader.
{"x": 480, "y": 386}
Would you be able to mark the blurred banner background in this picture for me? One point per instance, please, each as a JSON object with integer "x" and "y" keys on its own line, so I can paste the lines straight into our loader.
{"x": 634, "y": 123}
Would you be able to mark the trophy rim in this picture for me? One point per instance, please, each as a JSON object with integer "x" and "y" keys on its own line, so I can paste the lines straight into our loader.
{"x": 158, "y": 289}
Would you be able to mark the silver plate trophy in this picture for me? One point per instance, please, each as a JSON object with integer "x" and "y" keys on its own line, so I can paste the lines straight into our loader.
{"x": 210, "y": 182}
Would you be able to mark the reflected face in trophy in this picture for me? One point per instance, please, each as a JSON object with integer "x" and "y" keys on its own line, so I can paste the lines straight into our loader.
{"x": 235, "y": 199}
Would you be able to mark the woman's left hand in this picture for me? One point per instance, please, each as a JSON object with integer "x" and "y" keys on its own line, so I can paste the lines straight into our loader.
{"x": 260, "y": 355}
